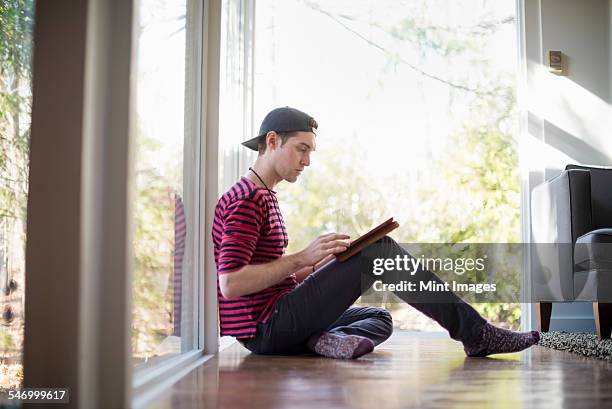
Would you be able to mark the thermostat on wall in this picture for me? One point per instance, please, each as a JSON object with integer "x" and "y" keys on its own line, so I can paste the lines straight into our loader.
{"x": 555, "y": 62}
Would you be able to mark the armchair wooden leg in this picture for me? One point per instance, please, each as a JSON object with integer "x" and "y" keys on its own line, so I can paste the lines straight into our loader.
{"x": 543, "y": 312}
{"x": 603, "y": 319}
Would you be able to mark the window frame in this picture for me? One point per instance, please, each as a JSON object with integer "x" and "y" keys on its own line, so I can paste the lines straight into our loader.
{"x": 237, "y": 91}
{"x": 201, "y": 139}
{"x": 78, "y": 298}
{"x": 531, "y": 129}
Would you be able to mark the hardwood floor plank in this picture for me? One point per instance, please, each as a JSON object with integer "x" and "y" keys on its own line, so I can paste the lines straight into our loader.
{"x": 409, "y": 370}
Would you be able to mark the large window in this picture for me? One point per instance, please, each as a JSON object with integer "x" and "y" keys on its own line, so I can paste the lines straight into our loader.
{"x": 165, "y": 287}
{"x": 235, "y": 90}
{"x": 111, "y": 182}
{"x": 16, "y": 24}
{"x": 416, "y": 106}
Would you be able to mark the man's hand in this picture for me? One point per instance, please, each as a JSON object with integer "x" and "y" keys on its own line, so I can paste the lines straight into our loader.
{"x": 301, "y": 275}
{"x": 256, "y": 277}
{"x": 324, "y": 261}
{"x": 322, "y": 247}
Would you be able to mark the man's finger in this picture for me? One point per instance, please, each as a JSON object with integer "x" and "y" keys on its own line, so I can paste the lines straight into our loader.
{"x": 335, "y": 243}
{"x": 338, "y": 249}
{"x": 327, "y": 259}
{"x": 324, "y": 260}
{"x": 336, "y": 236}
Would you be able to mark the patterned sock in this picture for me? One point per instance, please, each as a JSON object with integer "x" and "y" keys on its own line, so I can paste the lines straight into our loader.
{"x": 340, "y": 346}
{"x": 494, "y": 340}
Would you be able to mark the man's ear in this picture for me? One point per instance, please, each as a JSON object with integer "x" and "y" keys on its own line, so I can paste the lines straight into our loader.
{"x": 271, "y": 140}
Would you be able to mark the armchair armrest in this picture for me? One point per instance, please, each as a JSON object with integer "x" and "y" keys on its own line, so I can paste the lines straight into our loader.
{"x": 580, "y": 202}
{"x": 560, "y": 213}
{"x": 561, "y": 208}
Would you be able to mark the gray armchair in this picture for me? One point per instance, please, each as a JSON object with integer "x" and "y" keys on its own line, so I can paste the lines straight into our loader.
{"x": 572, "y": 255}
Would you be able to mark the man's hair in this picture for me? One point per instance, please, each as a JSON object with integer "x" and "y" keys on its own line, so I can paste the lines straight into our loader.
{"x": 261, "y": 145}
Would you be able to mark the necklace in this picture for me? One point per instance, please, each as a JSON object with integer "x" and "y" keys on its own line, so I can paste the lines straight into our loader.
{"x": 260, "y": 179}
{"x": 278, "y": 216}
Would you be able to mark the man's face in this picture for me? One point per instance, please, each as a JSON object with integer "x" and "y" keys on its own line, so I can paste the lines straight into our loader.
{"x": 291, "y": 158}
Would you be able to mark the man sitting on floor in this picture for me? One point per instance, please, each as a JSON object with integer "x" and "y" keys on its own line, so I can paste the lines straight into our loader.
{"x": 261, "y": 302}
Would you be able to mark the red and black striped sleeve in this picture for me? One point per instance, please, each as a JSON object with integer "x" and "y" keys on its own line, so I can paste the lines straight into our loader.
{"x": 243, "y": 219}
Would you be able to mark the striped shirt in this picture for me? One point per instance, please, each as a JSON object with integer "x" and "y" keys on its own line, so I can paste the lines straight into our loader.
{"x": 180, "y": 232}
{"x": 248, "y": 228}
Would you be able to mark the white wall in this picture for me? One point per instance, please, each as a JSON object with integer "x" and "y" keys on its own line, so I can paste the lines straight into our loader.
{"x": 569, "y": 117}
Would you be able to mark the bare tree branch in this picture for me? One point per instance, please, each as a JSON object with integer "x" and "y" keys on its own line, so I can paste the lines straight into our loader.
{"x": 400, "y": 59}
{"x": 475, "y": 30}
{"x": 480, "y": 29}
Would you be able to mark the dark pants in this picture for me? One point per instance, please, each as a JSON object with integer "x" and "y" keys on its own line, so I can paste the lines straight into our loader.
{"x": 321, "y": 303}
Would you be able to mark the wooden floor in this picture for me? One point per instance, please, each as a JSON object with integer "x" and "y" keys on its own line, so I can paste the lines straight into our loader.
{"x": 409, "y": 370}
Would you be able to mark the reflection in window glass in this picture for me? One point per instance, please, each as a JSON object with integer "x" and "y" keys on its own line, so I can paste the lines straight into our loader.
{"x": 16, "y": 25}
{"x": 164, "y": 280}
{"x": 416, "y": 106}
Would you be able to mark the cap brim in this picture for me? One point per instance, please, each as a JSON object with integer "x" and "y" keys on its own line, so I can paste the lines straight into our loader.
{"x": 251, "y": 143}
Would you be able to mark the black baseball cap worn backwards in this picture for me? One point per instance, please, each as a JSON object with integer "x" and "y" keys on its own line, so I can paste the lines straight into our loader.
{"x": 283, "y": 119}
